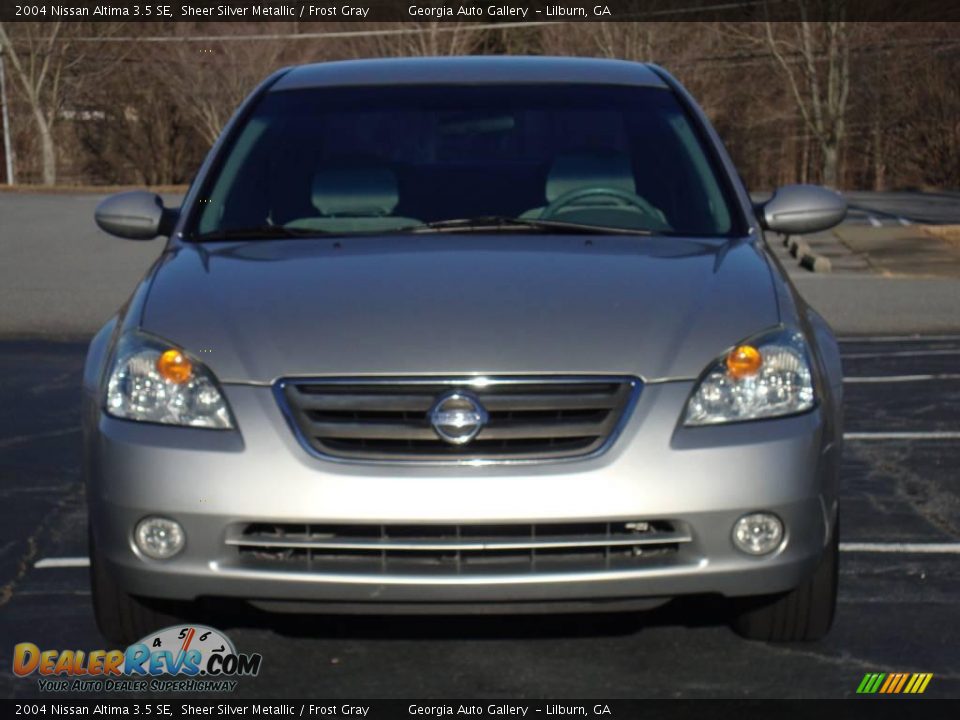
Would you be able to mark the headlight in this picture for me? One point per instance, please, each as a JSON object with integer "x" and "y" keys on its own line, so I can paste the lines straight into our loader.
{"x": 152, "y": 381}
{"x": 766, "y": 376}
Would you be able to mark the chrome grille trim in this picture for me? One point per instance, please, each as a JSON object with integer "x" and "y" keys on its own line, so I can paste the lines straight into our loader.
{"x": 458, "y": 549}
{"x": 383, "y": 420}
{"x": 651, "y": 539}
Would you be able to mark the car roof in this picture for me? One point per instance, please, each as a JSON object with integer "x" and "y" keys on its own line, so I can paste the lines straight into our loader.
{"x": 466, "y": 70}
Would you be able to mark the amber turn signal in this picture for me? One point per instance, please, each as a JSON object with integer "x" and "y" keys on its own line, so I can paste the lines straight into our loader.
{"x": 174, "y": 367}
{"x": 744, "y": 361}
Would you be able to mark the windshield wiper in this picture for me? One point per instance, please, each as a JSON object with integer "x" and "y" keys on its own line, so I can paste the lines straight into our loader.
{"x": 484, "y": 223}
{"x": 264, "y": 232}
{"x": 505, "y": 222}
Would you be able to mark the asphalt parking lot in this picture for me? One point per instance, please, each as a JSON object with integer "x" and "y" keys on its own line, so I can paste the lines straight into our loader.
{"x": 91, "y": 274}
{"x": 900, "y": 578}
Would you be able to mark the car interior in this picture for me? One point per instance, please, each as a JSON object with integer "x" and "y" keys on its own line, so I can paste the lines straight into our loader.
{"x": 306, "y": 167}
{"x": 582, "y": 187}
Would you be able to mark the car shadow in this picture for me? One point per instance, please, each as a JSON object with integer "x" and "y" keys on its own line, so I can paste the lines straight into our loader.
{"x": 685, "y": 612}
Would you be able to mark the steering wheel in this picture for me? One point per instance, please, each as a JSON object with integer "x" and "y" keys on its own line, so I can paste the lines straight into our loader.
{"x": 572, "y": 197}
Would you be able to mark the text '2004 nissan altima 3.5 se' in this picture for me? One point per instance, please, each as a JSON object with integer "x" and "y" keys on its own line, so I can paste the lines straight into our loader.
{"x": 437, "y": 335}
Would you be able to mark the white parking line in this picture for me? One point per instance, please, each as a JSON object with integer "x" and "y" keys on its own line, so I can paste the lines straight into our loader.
{"x": 899, "y": 353}
{"x": 910, "y": 547}
{"x": 64, "y": 562}
{"x": 896, "y": 338}
{"x": 935, "y": 435}
{"x": 874, "y": 221}
{"x": 878, "y": 547}
{"x": 903, "y": 221}
{"x": 901, "y": 378}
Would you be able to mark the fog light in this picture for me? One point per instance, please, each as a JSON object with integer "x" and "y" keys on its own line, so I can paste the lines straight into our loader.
{"x": 159, "y": 538}
{"x": 758, "y": 533}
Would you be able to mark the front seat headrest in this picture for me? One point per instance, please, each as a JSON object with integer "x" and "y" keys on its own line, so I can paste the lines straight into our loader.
{"x": 355, "y": 190}
{"x": 573, "y": 171}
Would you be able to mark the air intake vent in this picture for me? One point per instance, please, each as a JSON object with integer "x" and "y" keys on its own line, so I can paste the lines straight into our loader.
{"x": 459, "y": 549}
{"x": 396, "y": 420}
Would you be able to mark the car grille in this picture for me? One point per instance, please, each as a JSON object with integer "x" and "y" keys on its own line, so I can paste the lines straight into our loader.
{"x": 459, "y": 549}
{"x": 387, "y": 420}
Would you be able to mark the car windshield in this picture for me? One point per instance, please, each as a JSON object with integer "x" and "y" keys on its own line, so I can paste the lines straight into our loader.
{"x": 409, "y": 158}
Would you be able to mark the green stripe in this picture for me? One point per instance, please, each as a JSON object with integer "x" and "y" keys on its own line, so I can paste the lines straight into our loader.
{"x": 879, "y": 681}
{"x": 863, "y": 683}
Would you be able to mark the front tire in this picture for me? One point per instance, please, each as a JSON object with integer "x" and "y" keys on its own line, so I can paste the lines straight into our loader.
{"x": 123, "y": 618}
{"x": 803, "y": 614}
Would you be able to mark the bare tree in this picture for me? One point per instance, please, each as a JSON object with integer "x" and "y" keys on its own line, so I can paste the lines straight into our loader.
{"x": 928, "y": 139}
{"x": 48, "y": 65}
{"x": 414, "y": 40}
{"x": 38, "y": 67}
{"x": 849, "y": 104}
{"x": 904, "y": 119}
{"x": 210, "y": 79}
{"x": 140, "y": 134}
{"x": 814, "y": 61}
{"x": 633, "y": 41}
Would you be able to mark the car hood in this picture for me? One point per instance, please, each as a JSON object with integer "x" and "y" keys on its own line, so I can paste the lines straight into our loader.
{"x": 460, "y": 304}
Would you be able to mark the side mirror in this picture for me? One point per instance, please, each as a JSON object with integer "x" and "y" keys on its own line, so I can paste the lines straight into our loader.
{"x": 799, "y": 209}
{"x": 135, "y": 215}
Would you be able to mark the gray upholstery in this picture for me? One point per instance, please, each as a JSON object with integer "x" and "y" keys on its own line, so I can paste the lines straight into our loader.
{"x": 353, "y": 224}
{"x": 355, "y": 191}
{"x": 574, "y": 171}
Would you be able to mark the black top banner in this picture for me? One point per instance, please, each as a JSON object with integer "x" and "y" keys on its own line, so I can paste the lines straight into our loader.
{"x": 514, "y": 11}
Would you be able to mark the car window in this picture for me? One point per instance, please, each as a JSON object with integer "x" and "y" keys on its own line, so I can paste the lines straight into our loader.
{"x": 391, "y": 158}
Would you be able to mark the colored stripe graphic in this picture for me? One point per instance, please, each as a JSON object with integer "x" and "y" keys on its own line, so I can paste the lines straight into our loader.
{"x": 870, "y": 683}
{"x": 891, "y": 680}
{"x": 903, "y": 679}
{"x": 894, "y": 683}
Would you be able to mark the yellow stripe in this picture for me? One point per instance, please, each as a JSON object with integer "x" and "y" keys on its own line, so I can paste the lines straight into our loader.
{"x": 926, "y": 681}
{"x": 903, "y": 679}
{"x": 913, "y": 681}
{"x": 886, "y": 683}
{"x": 920, "y": 678}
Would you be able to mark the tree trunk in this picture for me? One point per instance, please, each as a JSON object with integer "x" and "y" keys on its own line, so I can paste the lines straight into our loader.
{"x": 831, "y": 162}
{"x": 48, "y": 150}
{"x": 879, "y": 160}
{"x": 805, "y": 157}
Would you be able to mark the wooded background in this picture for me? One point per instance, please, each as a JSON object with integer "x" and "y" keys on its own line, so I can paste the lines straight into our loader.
{"x": 853, "y": 105}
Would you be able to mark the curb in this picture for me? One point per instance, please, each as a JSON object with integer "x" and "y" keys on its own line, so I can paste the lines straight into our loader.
{"x": 816, "y": 263}
{"x": 798, "y": 248}
{"x": 806, "y": 258}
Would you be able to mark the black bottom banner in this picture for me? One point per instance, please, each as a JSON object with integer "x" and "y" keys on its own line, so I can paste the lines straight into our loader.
{"x": 874, "y": 709}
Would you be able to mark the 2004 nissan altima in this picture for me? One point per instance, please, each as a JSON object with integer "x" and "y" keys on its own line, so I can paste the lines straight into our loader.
{"x": 437, "y": 335}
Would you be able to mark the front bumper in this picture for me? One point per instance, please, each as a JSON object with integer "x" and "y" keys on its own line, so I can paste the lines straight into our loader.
{"x": 703, "y": 478}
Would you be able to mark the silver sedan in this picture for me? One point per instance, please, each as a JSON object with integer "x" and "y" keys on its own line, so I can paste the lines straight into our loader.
{"x": 461, "y": 334}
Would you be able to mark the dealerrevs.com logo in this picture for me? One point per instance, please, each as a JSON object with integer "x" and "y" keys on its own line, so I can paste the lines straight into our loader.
{"x": 180, "y": 658}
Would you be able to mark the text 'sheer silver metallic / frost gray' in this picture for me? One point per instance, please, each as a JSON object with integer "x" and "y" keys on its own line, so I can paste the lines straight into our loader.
{"x": 437, "y": 335}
